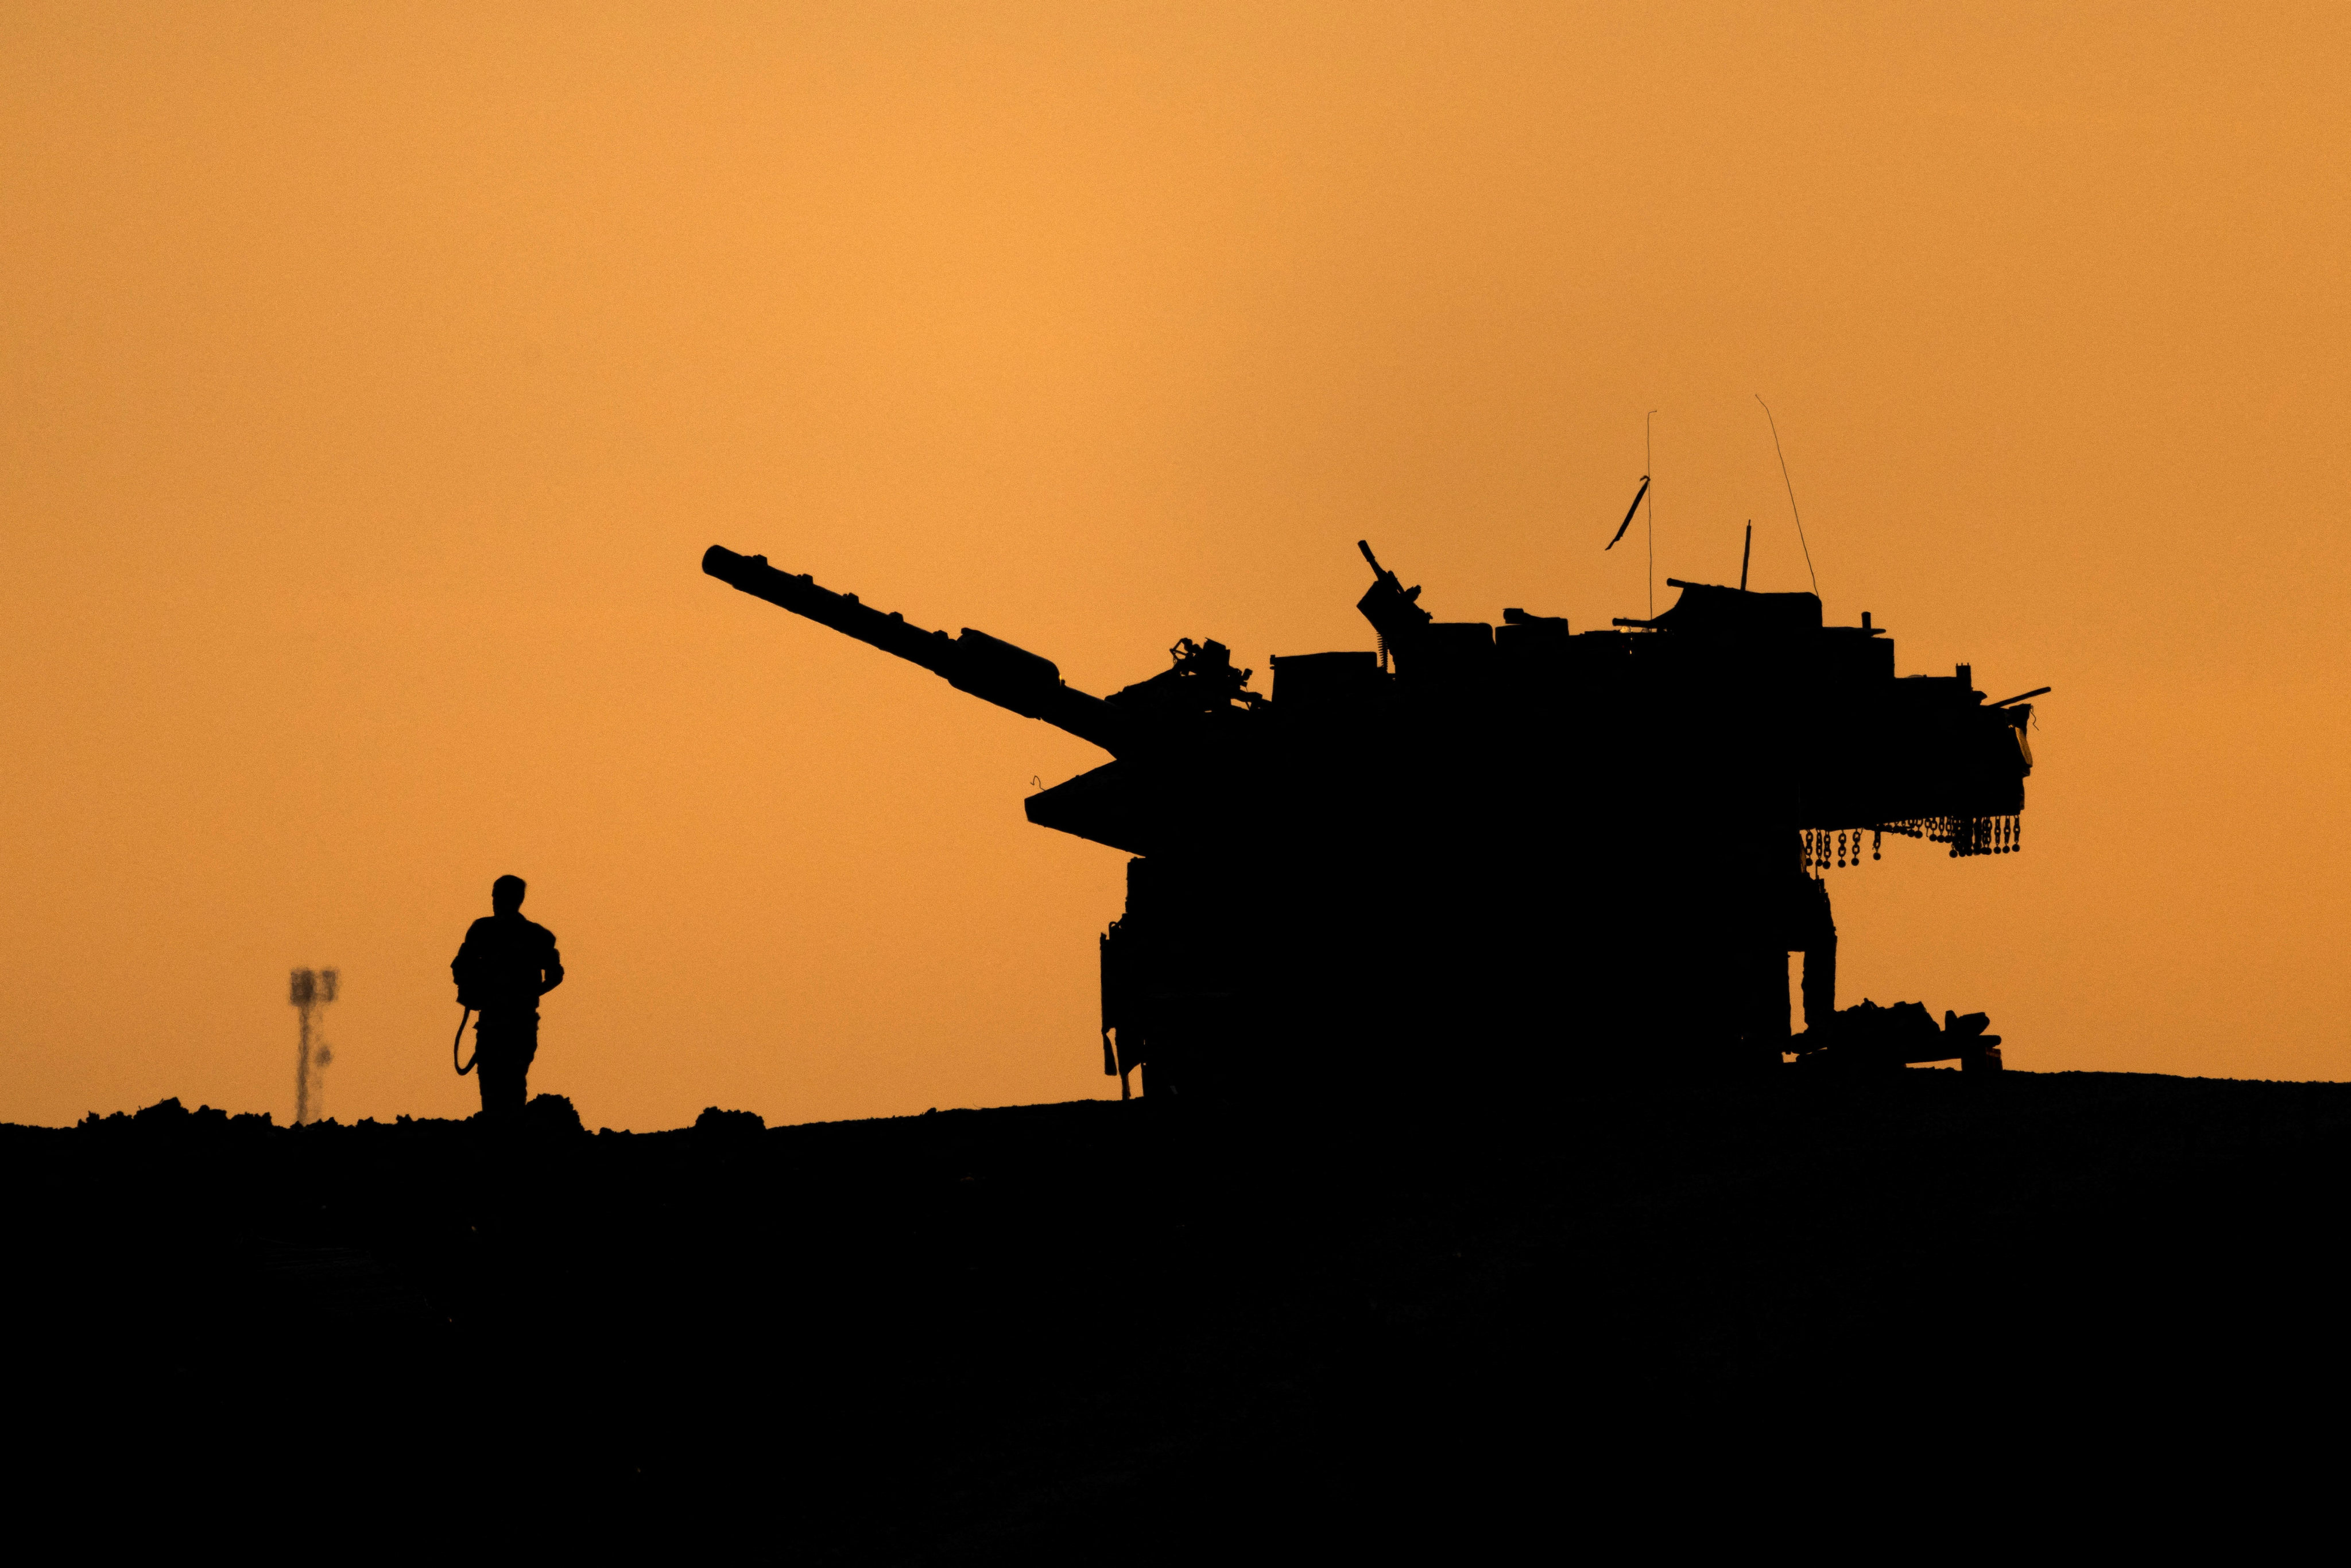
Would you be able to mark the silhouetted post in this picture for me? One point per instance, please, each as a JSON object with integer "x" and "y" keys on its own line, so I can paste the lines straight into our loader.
{"x": 309, "y": 989}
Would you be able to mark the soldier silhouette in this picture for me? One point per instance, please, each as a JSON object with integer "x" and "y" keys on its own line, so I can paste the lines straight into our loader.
{"x": 505, "y": 964}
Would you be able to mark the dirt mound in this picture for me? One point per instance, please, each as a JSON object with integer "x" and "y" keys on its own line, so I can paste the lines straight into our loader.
{"x": 1024, "y": 1330}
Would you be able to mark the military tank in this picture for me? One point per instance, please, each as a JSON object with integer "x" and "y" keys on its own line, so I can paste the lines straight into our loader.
{"x": 1495, "y": 856}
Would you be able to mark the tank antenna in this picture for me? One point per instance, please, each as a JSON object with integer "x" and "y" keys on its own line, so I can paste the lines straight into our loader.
{"x": 1746, "y": 552}
{"x": 1630, "y": 512}
{"x": 1792, "y": 495}
{"x": 1648, "y": 453}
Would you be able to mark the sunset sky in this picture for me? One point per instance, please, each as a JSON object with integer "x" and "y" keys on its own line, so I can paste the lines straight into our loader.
{"x": 372, "y": 379}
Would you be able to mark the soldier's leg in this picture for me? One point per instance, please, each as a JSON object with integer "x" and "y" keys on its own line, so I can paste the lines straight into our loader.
{"x": 1820, "y": 961}
{"x": 1820, "y": 981}
{"x": 501, "y": 1084}
{"x": 524, "y": 1048}
{"x": 500, "y": 1067}
{"x": 1760, "y": 975}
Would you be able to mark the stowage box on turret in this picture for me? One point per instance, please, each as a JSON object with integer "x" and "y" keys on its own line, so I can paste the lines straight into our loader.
{"x": 1504, "y": 853}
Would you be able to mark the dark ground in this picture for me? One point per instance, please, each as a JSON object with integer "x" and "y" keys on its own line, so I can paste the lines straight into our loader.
{"x": 1111, "y": 1329}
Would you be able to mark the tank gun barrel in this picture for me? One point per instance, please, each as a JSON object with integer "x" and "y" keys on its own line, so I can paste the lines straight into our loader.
{"x": 988, "y": 667}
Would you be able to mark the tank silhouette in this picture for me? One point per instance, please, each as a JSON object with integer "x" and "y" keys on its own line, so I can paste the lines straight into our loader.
{"x": 1495, "y": 856}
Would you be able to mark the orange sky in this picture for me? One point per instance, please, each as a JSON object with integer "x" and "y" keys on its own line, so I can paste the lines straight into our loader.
{"x": 373, "y": 378}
